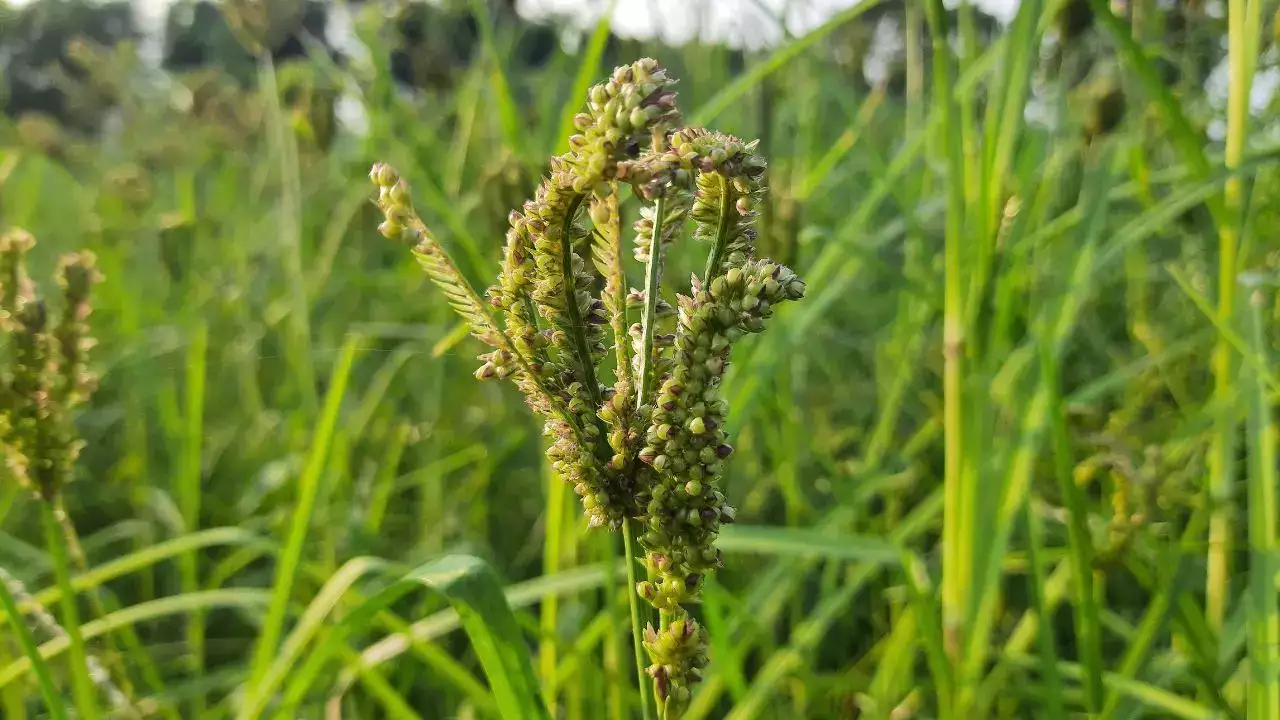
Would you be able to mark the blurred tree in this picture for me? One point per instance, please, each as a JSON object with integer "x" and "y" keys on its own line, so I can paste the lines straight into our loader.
{"x": 36, "y": 43}
{"x": 200, "y": 34}
{"x": 196, "y": 35}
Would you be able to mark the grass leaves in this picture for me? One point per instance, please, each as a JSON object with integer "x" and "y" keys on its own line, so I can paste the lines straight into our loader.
{"x": 299, "y": 528}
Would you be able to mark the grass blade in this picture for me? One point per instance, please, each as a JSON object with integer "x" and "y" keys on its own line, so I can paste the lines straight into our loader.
{"x": 807, "y": 543}
{"x": 588, "y": 68}
{"x": 243, "y": 598}
{"x": 83, "y": 690}
{"x": 1036, "y": 582}
{"x": 189, "y": 492}
{"x": 255, "y": 702}
{"x": 308, "y": 488}
{"x": 475, "y": 595}
{"x": 1263, "y": 617}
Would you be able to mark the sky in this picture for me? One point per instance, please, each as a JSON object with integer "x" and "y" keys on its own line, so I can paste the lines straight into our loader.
{"x": 750, "y": 23}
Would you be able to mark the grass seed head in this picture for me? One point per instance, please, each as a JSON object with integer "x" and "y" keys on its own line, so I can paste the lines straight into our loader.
{"x": 561, "y": 302}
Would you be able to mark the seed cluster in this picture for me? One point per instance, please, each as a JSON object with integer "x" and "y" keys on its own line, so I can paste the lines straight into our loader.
{"x": 686, "y": 443}
{"x": 648, "y": 448}
{"x": 48, "y": 374}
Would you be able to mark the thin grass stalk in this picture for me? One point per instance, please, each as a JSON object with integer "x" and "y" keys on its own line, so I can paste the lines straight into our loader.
{"x": 648, "y": 319}
{"x": 1222, "y": 453}
{"x": 957, "y": 535}
{"x": 552, "y": 556}
{"x": 13, "y": 700}
{"x": 644, "y": 384}
{"x": 1035, "y": 584}
{"x": 915, "y": 68}
{"x": 118, "y": 696}
{"x": 189, "y": 495}
{"x": 285, "y": 150}
{"x": 615, "y": 698}
{"x": 82, "y": 685}
{"x": 637, "y": 620}
{"x": 1088, "y": 627}
{"x": 1263, "y": 616}
{"x": 288, "y": 567}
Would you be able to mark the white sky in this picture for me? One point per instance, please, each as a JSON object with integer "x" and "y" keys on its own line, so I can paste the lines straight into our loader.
{"x": 749, "y": 22}
{"x": 738, "y": 22}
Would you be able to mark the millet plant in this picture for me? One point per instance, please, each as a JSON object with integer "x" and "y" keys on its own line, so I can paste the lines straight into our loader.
{"x": 44, "y": 380}
{"x": 645, "y": 453}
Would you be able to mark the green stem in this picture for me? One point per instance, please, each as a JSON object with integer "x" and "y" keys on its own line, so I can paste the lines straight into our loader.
{"x": 189, "y": 495}
{"x": 1087, "y": 624}
{"x": 552, "y": 557}
{"x": 571, "y": 309}
{"x": 1222, "y": 454}
{"x": 957, "y": 505}
{"x": 653, "y": 275}
{"x": 633, "y": 598}
{"x": 82, "y": 687}
{"x": 722, "y": 230}
{"x": 1263, "y": 618}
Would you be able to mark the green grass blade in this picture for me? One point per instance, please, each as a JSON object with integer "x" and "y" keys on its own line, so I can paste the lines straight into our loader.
{"x": 1263, "y": 616}
{"x": 1160, "y": 609}
{"x": 1224, "y": 330}
{"x": 83, "y": 690}
{"x": 243, "y": 598}
{"x": 189, "y": 491}
{"x": 1035, "y": 583}
{"x": 145, "y": 558}
{"x": 921, "y": 591}
{"x": 588, "y": 69}
{"x": 1189, "y": 143}
{"x": 508, "y": 113}
{"x": 806, "y": 635}
{"x": 473, "y": 591}
{"x": 287, "y": 569}
{"x": 309, "y": 624}
{"x": 1088, "y": 627}
{"x": 806, "y": 543}
{"x": 382, "y": 691}
{"x": 1149, "y": 695}
{"x": 958, "y": 531}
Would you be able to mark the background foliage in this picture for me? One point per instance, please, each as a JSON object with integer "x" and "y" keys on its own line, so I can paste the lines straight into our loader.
{"x": 1051, "y": 189}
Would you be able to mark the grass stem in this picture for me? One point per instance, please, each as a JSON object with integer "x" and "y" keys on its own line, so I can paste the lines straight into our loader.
{"x": 82, "y": 686}
{"x": 637, "y": 623}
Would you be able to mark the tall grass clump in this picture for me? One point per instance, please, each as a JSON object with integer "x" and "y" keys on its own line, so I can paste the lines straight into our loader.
{"x": 644, "y": 453}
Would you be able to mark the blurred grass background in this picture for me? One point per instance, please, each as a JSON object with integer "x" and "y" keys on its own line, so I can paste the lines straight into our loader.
{"x": 1034, "y": 357}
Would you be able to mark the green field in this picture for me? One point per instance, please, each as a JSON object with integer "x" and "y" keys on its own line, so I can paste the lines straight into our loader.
{"x": 1014, "y": 454}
